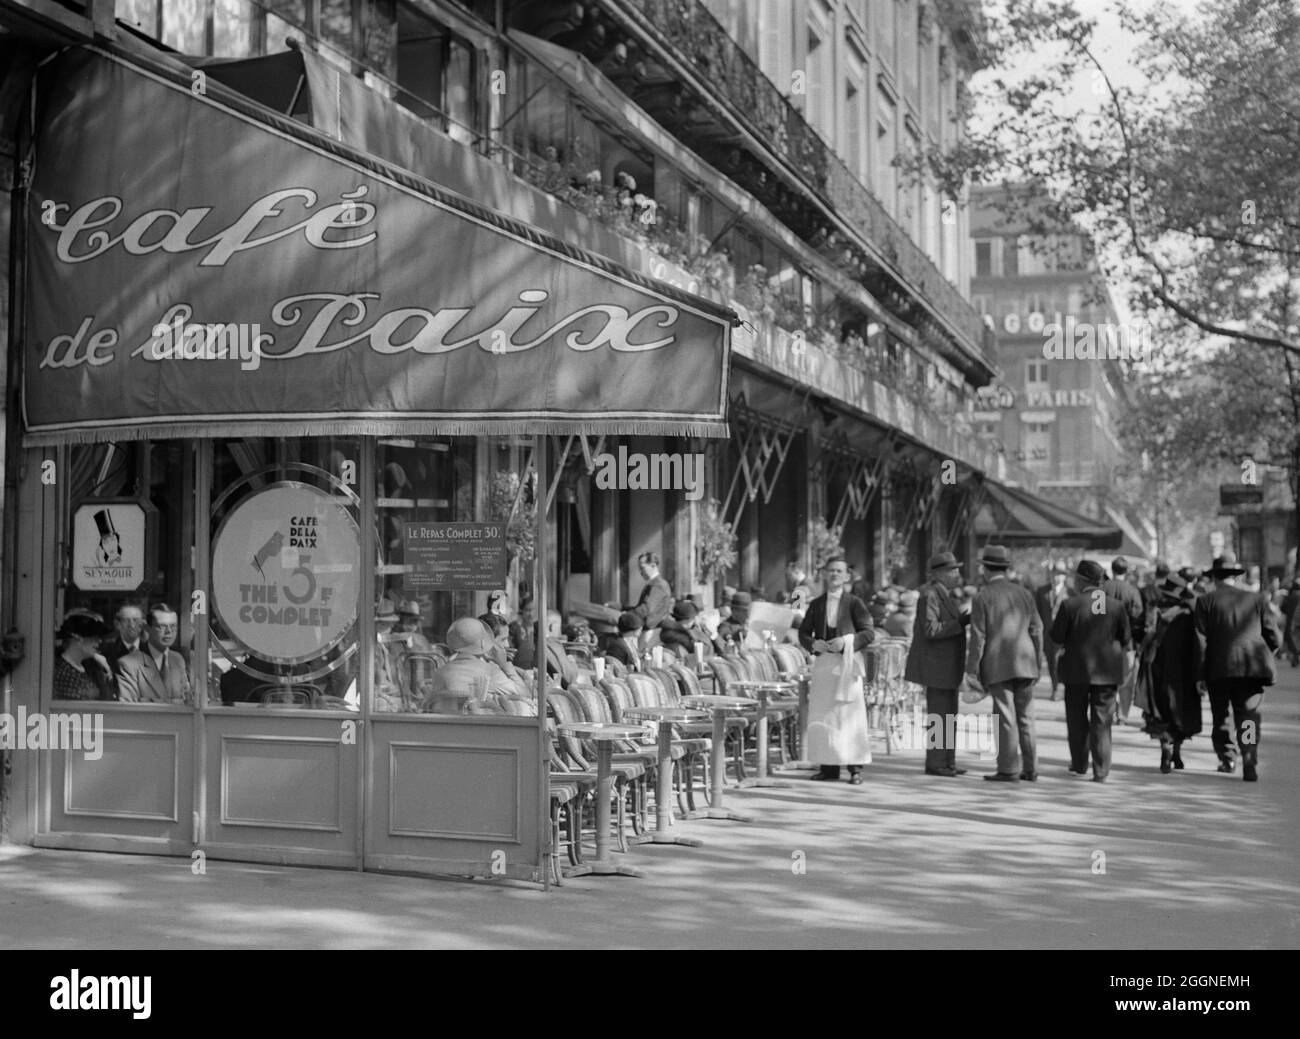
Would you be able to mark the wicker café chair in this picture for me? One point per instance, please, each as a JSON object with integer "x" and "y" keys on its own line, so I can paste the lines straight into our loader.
{"x": 736, "y": 725}
{"x": 289, "y": 694}
{"x": 630, "y": 766}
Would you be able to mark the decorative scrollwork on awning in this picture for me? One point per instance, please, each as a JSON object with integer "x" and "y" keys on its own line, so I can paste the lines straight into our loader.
{"x": 762, "y": 443}
{"x": 973, "y": 494}
{"x": 861, "y": 474}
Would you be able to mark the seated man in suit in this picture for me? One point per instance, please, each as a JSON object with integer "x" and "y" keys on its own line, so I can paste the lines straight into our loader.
{"x": 129, "y": 622}
{"x": 155, "y": 673}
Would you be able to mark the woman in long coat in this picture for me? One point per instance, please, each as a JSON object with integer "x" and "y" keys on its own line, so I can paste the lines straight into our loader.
{"x": 1167, "y": 674}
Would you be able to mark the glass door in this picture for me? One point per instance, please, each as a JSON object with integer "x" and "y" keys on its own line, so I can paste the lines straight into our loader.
{"x": 282, "y": 735}
{"x": 119, "y": 689}
{"x": 457, "y": 767}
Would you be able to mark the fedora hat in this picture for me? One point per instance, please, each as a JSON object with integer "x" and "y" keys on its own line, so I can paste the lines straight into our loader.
{"x": 1090, "y": 571}
{"x": 742, "y": 599}
{"x": 1172, "y": 585}
{"x": 944, "y": 561}
{"x": 409, "y": 608}
{"x": 1060, "y": 568}
{"x": 1226, "y": 565}
{"x": 469, "y": 635}
{"x": 995, "y": 557}
{"x": 385, "y": 611}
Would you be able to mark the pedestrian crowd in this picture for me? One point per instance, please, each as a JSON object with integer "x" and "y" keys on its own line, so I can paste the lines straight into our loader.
{"x": 1107, "y": 641}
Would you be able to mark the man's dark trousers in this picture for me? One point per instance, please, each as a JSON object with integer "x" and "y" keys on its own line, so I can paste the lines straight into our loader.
{"x": 938, "y": 752}
{"x": 1244, "y": 696}
{"x": 1089, "y": 711}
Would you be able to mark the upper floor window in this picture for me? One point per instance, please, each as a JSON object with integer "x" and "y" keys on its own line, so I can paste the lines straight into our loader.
{"x": 886, "y": 148}
{"x": 1010, "y": 257}
{"x": 775, "y": 43}
{"x": 985, "y": 257}
{"x": 884, "y": 30}
{"x": 1035, "y": 373}
{"x": 818, "y": 68}
{"x": 436, "y": 72}
{"x": 856, "y": 119}
{"x": 907, "y": 46}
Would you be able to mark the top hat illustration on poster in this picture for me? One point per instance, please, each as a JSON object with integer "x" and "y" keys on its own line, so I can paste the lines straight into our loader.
{"x": 109, "y": 552}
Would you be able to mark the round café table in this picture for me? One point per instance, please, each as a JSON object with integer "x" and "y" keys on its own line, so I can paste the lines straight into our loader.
{"x": 722, "y": 707}
{"x": 666, "y": 717}
{"x": 762, "y": 689}
{"x": 604, "y": 735}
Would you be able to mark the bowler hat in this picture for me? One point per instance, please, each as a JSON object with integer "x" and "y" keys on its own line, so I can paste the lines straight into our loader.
{"x": 742, "y": 599}
{"x": 1090, "y": 571}
{"x": 995, "y": 557}
{"x": 1060, "y": 568}
{"x": 630, "y": 621}
{"x": 469, "y": 635}
{"x": 1226, "y": 565}
{"x": 409, "y": 608}
{"x": 944, "y": 561}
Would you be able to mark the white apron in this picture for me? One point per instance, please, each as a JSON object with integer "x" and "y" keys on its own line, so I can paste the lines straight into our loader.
{"x": 837, "y": 731}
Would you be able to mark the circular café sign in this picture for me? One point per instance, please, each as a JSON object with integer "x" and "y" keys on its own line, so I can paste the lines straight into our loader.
{"x": 286, "y": 572}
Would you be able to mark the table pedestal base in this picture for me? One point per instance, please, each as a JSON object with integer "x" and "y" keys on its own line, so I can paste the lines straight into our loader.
{"x": 795, "y": 766}
{"x": 605, "y": 868}
{"x": 747, "y": 784}
{"x": 718, "y": 813}
{"x": 665, "y": 838}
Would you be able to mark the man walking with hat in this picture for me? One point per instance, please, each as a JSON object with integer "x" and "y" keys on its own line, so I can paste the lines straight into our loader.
{"x": 1093, "y": 631}
{"x": 1119, "y": 587}
{"x": 1006, "y": 645}
{"x": 935, "y": 660}
{"x": 1048, "y": 598}
{"x": 1237, "y": 637}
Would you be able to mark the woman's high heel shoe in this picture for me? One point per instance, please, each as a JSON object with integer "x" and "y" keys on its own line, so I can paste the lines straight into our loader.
{"x": 1178, "y": 757}
{"x": 1166, "y": 756}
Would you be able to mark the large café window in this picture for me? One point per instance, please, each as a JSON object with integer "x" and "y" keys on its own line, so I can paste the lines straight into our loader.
{"x": 286, "y": 573}
{"x": 126, "y": 557}
{"x": 442, "y": 544}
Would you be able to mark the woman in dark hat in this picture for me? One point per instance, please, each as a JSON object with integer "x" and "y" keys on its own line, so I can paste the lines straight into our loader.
{"x": 1167, "y": 674}
{"x": 79, "y": 637}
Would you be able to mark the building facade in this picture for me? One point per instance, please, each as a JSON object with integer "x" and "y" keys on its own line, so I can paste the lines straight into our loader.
{"x": 708, "y": 159}
{"x": 1063, "y": 352}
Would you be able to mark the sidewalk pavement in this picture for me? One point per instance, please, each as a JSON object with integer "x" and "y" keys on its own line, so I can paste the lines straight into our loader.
{"x": 1192, "y": 860}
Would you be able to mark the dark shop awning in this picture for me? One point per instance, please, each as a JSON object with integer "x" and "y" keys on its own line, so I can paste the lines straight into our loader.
{"x": 1013, "y": 516}
{"x": 199, "y": 265}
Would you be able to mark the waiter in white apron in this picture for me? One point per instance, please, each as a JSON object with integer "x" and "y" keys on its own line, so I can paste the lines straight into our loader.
{"x": 836, "y": 626}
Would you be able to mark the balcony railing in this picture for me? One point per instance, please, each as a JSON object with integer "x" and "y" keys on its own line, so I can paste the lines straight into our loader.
{"x": 690, "y": 30}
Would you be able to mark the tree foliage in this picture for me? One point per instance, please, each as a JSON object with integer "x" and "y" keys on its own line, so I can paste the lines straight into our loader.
{"x": 1190, "y": 185}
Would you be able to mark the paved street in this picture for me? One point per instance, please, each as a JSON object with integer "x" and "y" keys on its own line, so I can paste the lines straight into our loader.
{"x": 1192, "y": 860}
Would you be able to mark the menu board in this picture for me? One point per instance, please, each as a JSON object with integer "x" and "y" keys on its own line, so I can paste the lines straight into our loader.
{"x": 448, "y": 557}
